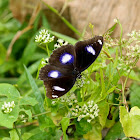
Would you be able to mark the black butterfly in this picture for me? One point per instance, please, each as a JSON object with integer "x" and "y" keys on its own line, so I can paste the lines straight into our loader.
{"x": 66, "y": 64}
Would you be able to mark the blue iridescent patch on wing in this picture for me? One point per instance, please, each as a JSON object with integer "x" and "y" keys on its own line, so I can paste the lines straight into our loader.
{"x": 54, "y": 74}
{"x": 66, "y": 58}
{"x": 90, "y": 49}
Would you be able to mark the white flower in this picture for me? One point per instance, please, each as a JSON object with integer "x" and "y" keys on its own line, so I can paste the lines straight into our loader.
{"x": 116, "y": 20}
{"x": 53, "y": 102}
{"x": 8, "y": 107}
{"x": 88, "y": 120}
{"x": 77, "y": 106}
{"x": 92, "y": 116}
{"x": 78, "y": 119}
{"x": 70, "y": 103}
{"x": 24, "y": 121}
{"x": 75, "y": 101}
{"x": 44, "y": 37}
{"x": 60, "y": 41}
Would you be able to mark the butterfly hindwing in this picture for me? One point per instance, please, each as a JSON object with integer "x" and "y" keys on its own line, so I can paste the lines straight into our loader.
{"x": 87, "y": 52}
{"x": 59, "y": 86}
{"x": 57, "y": 81}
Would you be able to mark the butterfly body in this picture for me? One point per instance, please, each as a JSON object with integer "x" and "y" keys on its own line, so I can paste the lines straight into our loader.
{"x": 66, "y": 64}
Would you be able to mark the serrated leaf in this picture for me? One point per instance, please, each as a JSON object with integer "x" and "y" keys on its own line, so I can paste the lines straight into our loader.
{"x": 130, "y": 121}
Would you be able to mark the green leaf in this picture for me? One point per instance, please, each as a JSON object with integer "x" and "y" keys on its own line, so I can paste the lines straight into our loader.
{"x": 95, "y": 133}
{"x": 6, "y": 66}
{"x": 135, "y": 95}
{"x": 28, "y": 101}
{"x": 110, "y": 30}
{"x": 42, "y": 64}
{"x": 116, "y": 132}
{"x": 38, "y": 107}
{"x": 130, "y": 121}
{"x": 111, "y": 90}
{"x": 14, "y": 135}
{"x": 28, "y": 112}
{"x": 28, "y": 51}
{"x": 103, "y": 112}
{"x": 83, "y": 127}
{"x": 102, "y": 81}
{"x": 11, "y": 94}
{"x": 33, "y": 68}
{"x": 132, "y": 75}
{"x": 45, "y": 22}
{"x": 2, "y": 54}
{"x": 48, "y": 123}
{"x": 116, "y": 59}
{"x": 65, "y": 124}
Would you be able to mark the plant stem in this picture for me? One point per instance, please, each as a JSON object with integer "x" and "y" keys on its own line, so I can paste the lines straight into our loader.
{"x": 17, "y": 132}
{"x": 120, "y": 37}
{"x": 123, "y": 86}
{"x": 47, "y": 48}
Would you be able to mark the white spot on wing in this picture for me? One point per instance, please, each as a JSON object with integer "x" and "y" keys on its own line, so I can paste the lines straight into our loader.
{"x": 65, "y": 58}
{"x": 100, "y": 42}
{"x": 54, "y": 74}
{"x": 58, "y": 88}
{"x": 90, "y": 50}
{"x": 54, "y": 96}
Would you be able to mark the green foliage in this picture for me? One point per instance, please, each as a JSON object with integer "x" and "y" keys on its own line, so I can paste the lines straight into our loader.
{"x": 130, "y": 121}
{"x": 99, "y": 100}
{"x": 116, "y": 132}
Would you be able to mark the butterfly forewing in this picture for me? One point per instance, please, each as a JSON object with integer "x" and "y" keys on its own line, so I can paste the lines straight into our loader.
{"x": 63, "y": 57}
{"x": 87, "y": 51}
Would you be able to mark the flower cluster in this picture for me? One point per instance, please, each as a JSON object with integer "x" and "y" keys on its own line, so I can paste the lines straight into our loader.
{"x": 134, "y": 34}
{"x": 129, "y": 50}
{"x": 59, "y": 43}
{"x": 81, "y": 81}
{"x": 21, "y": 117}
{"x": 44, "y": 37}
{"x": 8, "y": 107}
{"x": 71, "y": 99}
{"x": 88, "y": 111}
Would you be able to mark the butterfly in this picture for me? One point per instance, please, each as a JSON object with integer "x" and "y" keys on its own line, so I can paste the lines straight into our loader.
{"x": 66, "y": 64}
